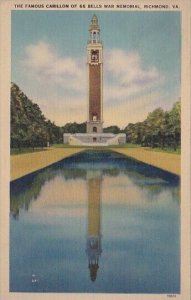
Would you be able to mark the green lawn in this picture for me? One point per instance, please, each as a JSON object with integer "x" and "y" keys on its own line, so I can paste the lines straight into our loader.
{"x": 80, "y": 146}
{"x": 69, "y": 146}
{"x": 165, "y": 150}
{"x": 128, "y": 145}
{"x": 26, "y": 150}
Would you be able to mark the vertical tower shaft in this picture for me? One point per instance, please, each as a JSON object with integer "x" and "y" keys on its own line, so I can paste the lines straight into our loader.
{"x": 95, "y": 79}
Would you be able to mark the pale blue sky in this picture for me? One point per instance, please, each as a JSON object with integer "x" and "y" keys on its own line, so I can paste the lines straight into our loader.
{"x": 141, "y": 62}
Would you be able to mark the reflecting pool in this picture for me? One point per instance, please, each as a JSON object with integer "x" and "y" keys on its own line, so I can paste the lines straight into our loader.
{"x": 95, "y": 222}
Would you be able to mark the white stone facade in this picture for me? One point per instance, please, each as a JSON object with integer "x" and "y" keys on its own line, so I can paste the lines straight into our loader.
{"x": 98, "y": 126}
{"x": 94, "y": 139}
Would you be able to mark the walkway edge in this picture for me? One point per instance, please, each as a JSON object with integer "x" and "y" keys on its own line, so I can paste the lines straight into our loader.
{"x": 24, "y": 164}
{"x": 165, "y": 161}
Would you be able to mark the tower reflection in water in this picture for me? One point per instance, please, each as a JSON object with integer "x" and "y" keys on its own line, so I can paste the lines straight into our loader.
{"x": 93, "y": 250}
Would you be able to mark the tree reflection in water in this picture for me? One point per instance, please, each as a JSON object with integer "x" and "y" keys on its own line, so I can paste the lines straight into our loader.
{"x": 105, "y": 177}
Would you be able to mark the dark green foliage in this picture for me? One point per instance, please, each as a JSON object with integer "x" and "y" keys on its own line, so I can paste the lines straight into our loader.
{"x": 74, "y": 128}
{"x": 29, "y": 127}
{"x": 81, "y": 128}
{"x": 112, "y": 129}
{"x": 160, "y": 129}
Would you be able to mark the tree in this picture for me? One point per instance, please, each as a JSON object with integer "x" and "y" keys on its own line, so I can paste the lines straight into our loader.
{"x": 174, "y": 126}
{"x": 74, "y": 127}
{"x": 160, "y": 129}
{"x": 112, "y": 129}
{"x": 29, "y": 127}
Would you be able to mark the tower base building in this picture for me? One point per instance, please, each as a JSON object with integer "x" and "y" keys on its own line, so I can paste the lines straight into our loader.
{"x": 94, "y": 139}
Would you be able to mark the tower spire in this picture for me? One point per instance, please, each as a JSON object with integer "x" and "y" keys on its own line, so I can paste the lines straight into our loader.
{"x": 94, "y": 30}
{"x": 94, "y": 23}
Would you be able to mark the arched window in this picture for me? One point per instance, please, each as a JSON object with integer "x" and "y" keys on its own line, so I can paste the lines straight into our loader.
{"x": 94, "y": 37}
{"x": 94, "y": 118}
{"x": 94, "y": 129}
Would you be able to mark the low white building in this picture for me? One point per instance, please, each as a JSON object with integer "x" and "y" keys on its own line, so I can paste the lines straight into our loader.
{"x": 94, "y": 139}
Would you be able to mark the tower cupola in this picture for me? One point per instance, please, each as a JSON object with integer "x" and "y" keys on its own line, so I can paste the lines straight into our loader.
{"x": 94, "y": 30}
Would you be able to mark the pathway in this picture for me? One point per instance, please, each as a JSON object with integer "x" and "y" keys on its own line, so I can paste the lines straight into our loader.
{"x": 23, "y": 164}
{"x": 167, "y": 161}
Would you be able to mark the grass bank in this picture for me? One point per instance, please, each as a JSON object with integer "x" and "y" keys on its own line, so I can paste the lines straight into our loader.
{"x": 26, "y": 150}
{"x": 27, "y": 163}
{"x": 167, "y": 161}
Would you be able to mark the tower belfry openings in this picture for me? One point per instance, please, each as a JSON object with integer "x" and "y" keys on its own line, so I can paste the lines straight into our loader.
{"x": 95, "y": 79}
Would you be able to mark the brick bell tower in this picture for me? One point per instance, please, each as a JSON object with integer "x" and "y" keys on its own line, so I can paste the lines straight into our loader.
{"x": 95, "y": 79}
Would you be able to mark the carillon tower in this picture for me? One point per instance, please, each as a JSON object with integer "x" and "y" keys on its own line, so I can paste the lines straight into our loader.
{"x": 94, "y": 135}
{"x": 95, "y": 79}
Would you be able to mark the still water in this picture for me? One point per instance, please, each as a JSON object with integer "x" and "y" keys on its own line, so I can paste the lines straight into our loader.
{"x": 95, "y": 222}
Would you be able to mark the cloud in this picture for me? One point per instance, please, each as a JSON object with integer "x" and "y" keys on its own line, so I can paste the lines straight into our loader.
{"x": 43, "y": 59}
{"x": 129, "y": 68}
{"x": 65, "y": 110}
{"x": 127, "y": 76}
{"x": 131, "y": 111}
{"x": 129, "y": 86}
{"x": 57, "y": 83}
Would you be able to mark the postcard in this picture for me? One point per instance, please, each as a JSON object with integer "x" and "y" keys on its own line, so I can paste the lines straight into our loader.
{"x": 95, "y": 149}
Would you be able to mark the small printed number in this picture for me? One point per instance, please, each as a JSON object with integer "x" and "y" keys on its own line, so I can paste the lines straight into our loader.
{"x": 171, "y": 296}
